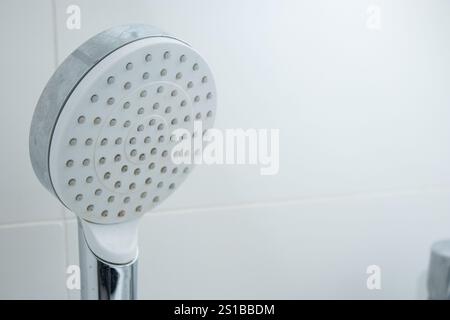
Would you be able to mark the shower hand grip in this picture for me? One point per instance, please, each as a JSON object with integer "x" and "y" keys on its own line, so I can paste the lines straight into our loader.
{"x": 102, "y": 280}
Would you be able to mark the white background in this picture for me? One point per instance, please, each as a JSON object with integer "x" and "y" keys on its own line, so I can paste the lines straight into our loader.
{"x": 364, "y": 150}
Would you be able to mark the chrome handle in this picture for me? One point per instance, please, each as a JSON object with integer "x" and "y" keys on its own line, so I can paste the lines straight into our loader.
{"x": 101, "y": 280}
{"x": 439, "y": 271}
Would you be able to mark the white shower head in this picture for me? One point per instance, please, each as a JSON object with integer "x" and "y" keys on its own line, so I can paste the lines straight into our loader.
{"x": 102, "y": 134}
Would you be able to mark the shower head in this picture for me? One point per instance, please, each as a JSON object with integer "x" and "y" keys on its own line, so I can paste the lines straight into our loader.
{"x": 103, "y": 133}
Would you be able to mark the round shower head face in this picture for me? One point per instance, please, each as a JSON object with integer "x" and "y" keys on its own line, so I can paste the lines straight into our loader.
{"x": 111, "y": 149}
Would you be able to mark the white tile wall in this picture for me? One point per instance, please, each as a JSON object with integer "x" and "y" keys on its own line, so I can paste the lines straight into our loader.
{"x": 27, "y": 61}
{"x": 33, "y": 261}
{"x": 365, "y": 147}
{"x": 310, "y": 249}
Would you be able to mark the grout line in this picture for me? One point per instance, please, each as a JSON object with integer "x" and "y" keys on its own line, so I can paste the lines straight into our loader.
{"x": 305, "y": 200}
{"x": 30, "y": 224}
{"x": 55, "y": 35}
{"x": 56, "y": 63}
{"x": 66, "y": 252}
{"x": 302, "y": 200}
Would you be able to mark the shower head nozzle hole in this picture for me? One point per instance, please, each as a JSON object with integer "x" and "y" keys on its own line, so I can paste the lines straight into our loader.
{"x": 110, "y": 80}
